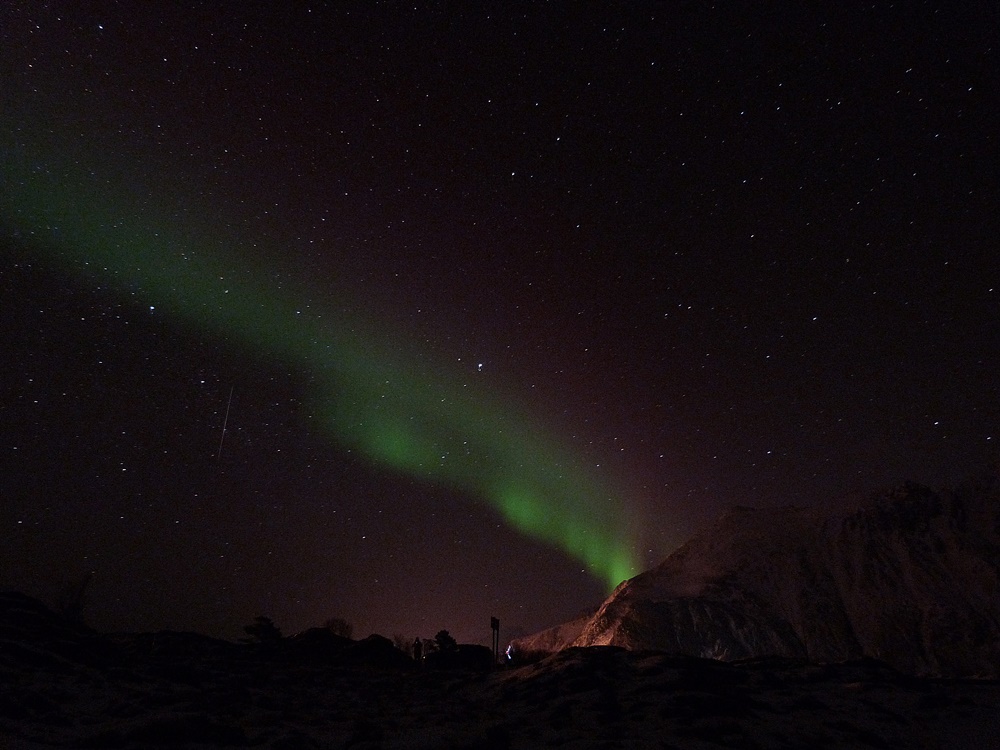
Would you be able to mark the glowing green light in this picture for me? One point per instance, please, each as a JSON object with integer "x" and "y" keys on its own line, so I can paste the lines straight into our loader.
{"x": 371, "y": 395}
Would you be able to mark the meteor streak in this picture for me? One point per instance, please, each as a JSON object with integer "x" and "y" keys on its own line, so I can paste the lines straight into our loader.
{"x": 224, "y": 423}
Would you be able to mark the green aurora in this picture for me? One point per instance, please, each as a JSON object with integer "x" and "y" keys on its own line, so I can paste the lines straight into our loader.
{"x": 371, "y": 394}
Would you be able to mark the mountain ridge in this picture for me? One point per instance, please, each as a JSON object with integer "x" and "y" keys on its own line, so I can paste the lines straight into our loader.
{"x": 910, "y": 576}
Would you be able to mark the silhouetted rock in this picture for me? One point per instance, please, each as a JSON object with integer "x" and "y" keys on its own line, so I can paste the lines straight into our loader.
{"x": 31, "y": 633}
{"x": 465, "y": 656}
{"x": 172, "y": 645}
{"x": 376, "y": 651}
{"x": 318, "y": 643}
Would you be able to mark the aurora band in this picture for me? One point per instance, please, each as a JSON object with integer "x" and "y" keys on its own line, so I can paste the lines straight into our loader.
{"x": 372, "y": 395}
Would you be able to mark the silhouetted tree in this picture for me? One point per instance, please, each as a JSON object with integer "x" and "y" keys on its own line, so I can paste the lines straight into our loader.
{"x": 446, "y": 644}
{"x": 262, "y": 630}
{"x": 340, "y": 626}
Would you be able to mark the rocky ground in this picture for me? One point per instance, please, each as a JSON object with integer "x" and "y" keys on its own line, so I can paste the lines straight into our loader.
{"x": 65, "y": 686}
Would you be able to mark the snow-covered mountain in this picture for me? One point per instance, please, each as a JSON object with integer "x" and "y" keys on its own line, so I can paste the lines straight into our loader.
{"x": 910, "y": 577}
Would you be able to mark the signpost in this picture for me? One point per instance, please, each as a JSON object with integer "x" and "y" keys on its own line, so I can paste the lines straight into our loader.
{"x": 495, "y": 627}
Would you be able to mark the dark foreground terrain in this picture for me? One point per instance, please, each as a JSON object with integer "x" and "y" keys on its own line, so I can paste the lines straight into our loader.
{"x": 62, "y": 685}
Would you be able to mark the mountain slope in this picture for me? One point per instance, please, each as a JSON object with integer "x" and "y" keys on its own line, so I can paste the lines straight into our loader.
{"x": 911, "y": 577}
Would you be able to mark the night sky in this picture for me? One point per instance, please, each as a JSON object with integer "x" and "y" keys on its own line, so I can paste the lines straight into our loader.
{"x": 416, "y": 316}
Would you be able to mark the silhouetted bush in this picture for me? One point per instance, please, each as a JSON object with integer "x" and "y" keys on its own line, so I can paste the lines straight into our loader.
{"x": 262, "y": 630}
{"x": 340, "y": 626}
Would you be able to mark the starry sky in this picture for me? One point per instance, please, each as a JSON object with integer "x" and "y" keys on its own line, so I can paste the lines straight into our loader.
{"x": 416, "y": 315}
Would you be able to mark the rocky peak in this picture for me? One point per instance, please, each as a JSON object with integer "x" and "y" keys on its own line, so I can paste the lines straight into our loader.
{"x": 911, "y": 577}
